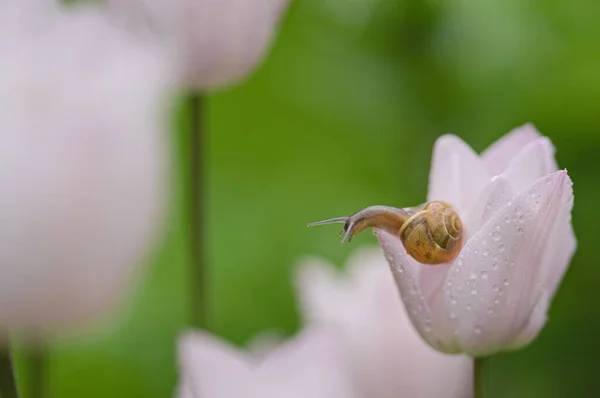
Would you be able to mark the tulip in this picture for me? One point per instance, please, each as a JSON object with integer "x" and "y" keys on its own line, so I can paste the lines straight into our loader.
{"x": 386, "y": 355}
{"x": 82, "y": 169}
{"x": 309, "y": 365}
{"x": 518, "y": 242}
{"x": 218, "y": 42}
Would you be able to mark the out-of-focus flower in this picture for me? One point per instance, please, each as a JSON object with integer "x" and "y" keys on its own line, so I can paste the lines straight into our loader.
{"x": 309, "y": 365}
{"x": 516, "y": 211}
{"x": 218, "y": 42}
{"x": 387, "y": 356}
{"x": 83, "y": 141}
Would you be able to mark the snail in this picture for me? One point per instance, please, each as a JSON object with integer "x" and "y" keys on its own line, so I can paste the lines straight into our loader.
{"x": 431, "y": 235}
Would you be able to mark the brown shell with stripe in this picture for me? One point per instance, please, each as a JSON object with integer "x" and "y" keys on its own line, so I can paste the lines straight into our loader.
{"x": 433, "y": 235}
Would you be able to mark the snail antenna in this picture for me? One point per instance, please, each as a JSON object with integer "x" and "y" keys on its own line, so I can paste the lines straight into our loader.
{"x": 330, "y": 221}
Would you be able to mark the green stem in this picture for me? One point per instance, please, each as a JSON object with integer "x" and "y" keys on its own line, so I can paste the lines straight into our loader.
{"x": 36, "y": 365}
{"x": 8, "y": 383}
{"x": 481, "y": 378}
{"x": 196, "y": 200}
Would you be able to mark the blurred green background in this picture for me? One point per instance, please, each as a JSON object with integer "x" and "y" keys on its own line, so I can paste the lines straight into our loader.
{"x": 343, "y": 114}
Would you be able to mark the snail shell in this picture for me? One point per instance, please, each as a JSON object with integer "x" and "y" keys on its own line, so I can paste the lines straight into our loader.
{"x": 432, "y": 235}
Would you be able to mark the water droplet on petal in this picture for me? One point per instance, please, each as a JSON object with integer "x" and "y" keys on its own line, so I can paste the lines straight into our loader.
{"x": 468, "y": 308}
{"x": 496, "y": 235}
{"x": 505, "y": 282}
{"x": 495, "y": 266}
{"x": 496, "y": 288}
{"x": 477, "y": 330}
{"x": 500, "y": 247}
{"x": 474, "y": 291}
{"x": 484, "y": 275}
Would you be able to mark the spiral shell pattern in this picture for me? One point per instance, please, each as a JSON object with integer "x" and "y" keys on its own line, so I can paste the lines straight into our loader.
{"x": 434, "y": 234}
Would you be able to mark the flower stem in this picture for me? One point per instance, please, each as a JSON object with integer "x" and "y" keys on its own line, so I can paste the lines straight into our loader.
{"x": 196, "y": 200}
{"x": 8, "y": 382}
{"x": 36, "y": 358}
{"x": 481, "y": 378}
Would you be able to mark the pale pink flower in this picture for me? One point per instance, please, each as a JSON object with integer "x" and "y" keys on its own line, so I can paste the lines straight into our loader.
{"x": 82, "y": 168}
{"x": 218, "y": 41}
{"x": 308, "y": 365}
{"x": 387, "y": 357}
{"x": 516, "y": 212}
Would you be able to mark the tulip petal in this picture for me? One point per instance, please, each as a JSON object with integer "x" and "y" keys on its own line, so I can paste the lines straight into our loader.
{"x": 209, "y": 365}
{"x": 492, "y": 285}
{"x": 498, "y": 156}
{"x": 495, "y": 195}
{"x": 457, "y": 174}
{"x": 562, "y": 246}
{"x": 321, "y": 289}
{"x": 531, "y": 163}
{"x": 406, "y": 274}
{"x": 311, "y": 363}
{"x": 535, "y": 323}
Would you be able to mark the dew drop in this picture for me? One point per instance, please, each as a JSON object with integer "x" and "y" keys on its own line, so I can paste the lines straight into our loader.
{"x": 497, "y": 301}
{"x": 484, "y": 275}
{"x": 477, "y": 330}
{"x": 501, "y": 247}
{"x": 452, "y": 315}
{"x": 496, "y": 288}
{"x": 453, "y": 300}
{"x": 520, "y": 230}
{"x": 495, "y": 266}
{"x": 400, "y": 269}
{"x": 474, "y": 291}
{"x": 506, "y": 282}
{"x": 496, "y": 235}
{"x": 490, "y": 310}
{"x": 468, "y": 308}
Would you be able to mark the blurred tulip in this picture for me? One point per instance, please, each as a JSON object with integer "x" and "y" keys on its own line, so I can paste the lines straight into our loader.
{"x": 516, "y": 211}
{"x": 218, "y": 42}
{"x": 82, "y": 169}
{"x": 387, "y": 356}
{"x": 309, "y": 365}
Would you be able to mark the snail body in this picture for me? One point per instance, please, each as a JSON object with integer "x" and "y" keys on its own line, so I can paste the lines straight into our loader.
{"x": 431, "y": 235}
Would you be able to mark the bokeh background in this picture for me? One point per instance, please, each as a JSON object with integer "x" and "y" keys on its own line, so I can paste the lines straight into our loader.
{"x": 343, "y": 114}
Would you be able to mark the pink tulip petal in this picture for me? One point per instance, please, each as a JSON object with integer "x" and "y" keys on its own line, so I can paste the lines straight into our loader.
{"x": 534, "y": 325}
{"x": 533, "y": 162}
{"x": 492, "y": 286}
{"x": 406, "y": 274}
{"x": 494, "y": 196}
{"x": 309, "y": 365}
{"x": 209, "y": 365}
{"x": 321, "y": 289}
{"x": 388, "y": 357}
{"x": 498, "y": 156}
{"x": 311, "y": 362}
{"x": 562, "y": 246}
{"x": 457, "y": 174}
